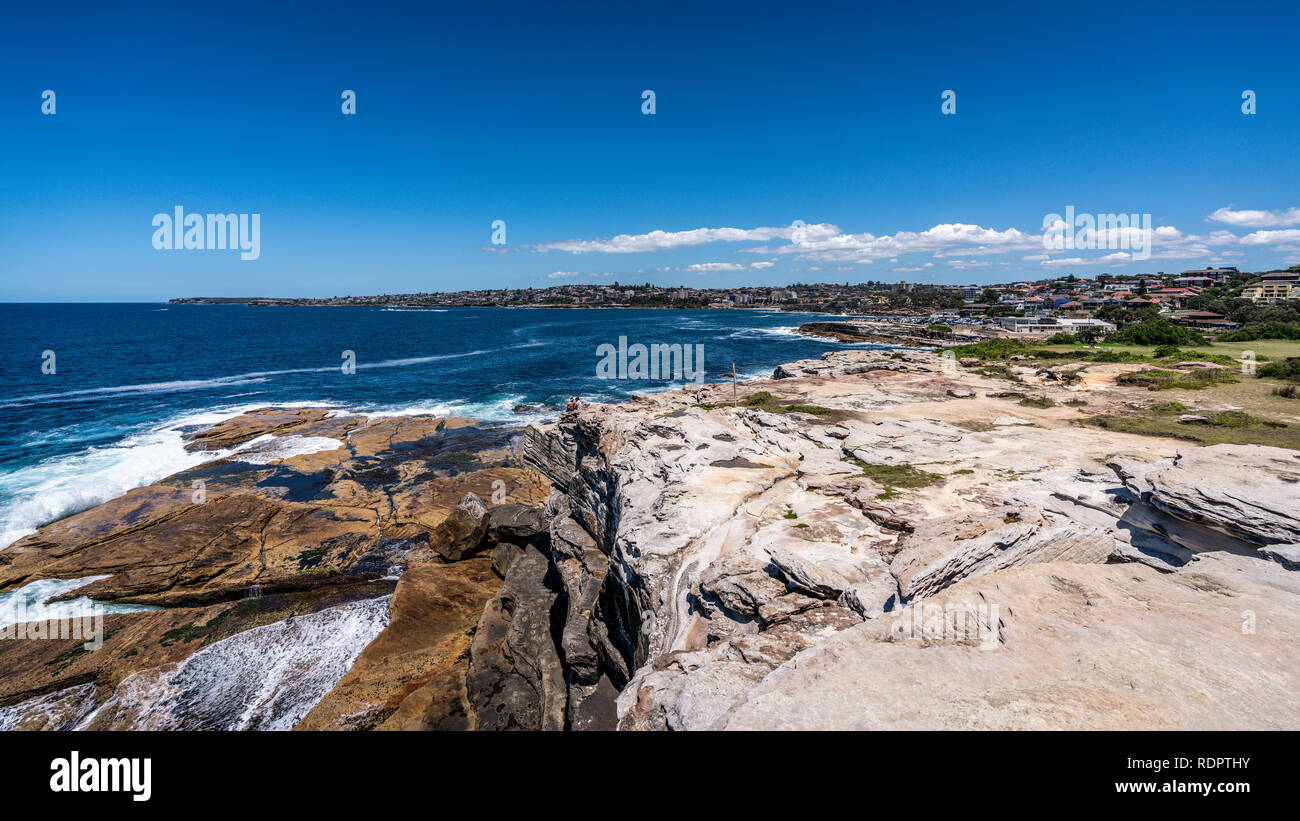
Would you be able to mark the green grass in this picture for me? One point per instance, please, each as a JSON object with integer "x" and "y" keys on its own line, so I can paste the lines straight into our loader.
{"x": 1240, "y": 420}
{"x": 1158, "y": 379}
{"x": 765, "y": 401}
{"x": 894, "y": 477}
{"x": 1036, "y": 402}
{"x": 1265, "y": 350}
{"x": 815, "y": 410}
{"x": 1228, "y": 354}
{"x": 1224, "y": 427}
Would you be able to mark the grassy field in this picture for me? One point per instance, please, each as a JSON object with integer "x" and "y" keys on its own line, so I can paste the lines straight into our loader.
{"x": 1239, "y": 408}
{"x": 1270, "y": 348}
{"x": 1217, "y": 427}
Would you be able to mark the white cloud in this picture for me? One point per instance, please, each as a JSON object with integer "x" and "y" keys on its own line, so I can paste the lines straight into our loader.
{"x": 708, "y": 267}
{"x": 1064, "y": 263}
{"x": 958, "y": 244}
{"x": 668, "y": 240}
{"x": 1271, "y": 237}
{"x": 947, "y": 237}
{"x": 1257, "y": 219}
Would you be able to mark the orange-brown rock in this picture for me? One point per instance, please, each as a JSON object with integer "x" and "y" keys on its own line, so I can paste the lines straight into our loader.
{"x": 423, "y": 649}
{"x": 299, "y": 511}
{"x": 265, "y": 517}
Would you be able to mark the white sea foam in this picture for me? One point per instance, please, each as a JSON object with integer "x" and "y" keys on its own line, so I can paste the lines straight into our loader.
{"x": 31, "y": 602}
{"x": 267, "y": 678}
{"x": 500, "y": 409}
{"x": 53, "y": 488}
{"x": 267, "y": 448}
{"x": 60, "y": 710}
{"x": 250, "y": 378}
{"x": 783, "y": 332}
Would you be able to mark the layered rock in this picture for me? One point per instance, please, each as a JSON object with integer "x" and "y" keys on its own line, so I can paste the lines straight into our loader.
{"x": 1070, "y": 646}
{"x": 273, "y": 519}
{"x": 735, "y": 541}
{"x": 299, "y": 512}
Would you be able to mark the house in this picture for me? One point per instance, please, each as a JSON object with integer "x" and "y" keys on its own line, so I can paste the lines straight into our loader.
{"x": 1046, "y": 326}
{"x": 1205, "y": 277}
{"x": 1176, "y": 297}
{"x": 1204, "y": 319}
{"x": 1274, "y": 287}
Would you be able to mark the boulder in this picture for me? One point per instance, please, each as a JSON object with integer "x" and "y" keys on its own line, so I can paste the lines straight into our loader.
{"x": 462, "y": 533}
{"x": 515, "y": 523}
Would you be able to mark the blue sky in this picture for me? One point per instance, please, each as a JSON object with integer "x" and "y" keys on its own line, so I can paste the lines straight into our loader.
{"x": 531, "y": 114}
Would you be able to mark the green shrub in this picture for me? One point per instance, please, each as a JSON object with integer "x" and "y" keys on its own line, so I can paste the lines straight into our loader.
{"x": 1037, "y": 402}
{"x": 1157, "y": 332}
{"x": 1288, "y": 368}
{"x": 814, "y": 410}
{"x": 996, "y": 348}
{"x": 1156, "y": 379}
{"x": 1263, "y": 330}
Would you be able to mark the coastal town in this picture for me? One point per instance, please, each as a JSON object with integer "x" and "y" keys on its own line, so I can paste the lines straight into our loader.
{"x": 1210, "y": 298}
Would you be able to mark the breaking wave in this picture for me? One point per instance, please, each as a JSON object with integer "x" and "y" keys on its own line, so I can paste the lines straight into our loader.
{"x": 267, "y": 678}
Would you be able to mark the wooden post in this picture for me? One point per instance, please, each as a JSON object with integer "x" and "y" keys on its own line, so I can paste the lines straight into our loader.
{"x": 733, "y": 384}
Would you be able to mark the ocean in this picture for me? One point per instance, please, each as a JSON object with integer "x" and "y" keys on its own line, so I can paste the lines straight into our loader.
{"x": 94, "y": 399}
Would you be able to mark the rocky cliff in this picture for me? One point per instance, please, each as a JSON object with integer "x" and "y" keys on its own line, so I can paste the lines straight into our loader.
{"x": 872, "y": 540}
{"x": 869, "y": 542}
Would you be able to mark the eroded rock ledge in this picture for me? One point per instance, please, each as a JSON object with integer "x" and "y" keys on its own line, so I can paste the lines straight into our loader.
{"x": 776, "y": 564}
{"x": 872, "y": 539}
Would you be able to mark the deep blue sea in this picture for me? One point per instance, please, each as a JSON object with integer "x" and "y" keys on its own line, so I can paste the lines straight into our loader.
{"x": 129, "y": 379}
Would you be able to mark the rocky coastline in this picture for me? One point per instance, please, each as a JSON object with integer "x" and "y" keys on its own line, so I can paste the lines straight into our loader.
{"x": 876, "y": 539}
{"x": 893, "y": 333}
